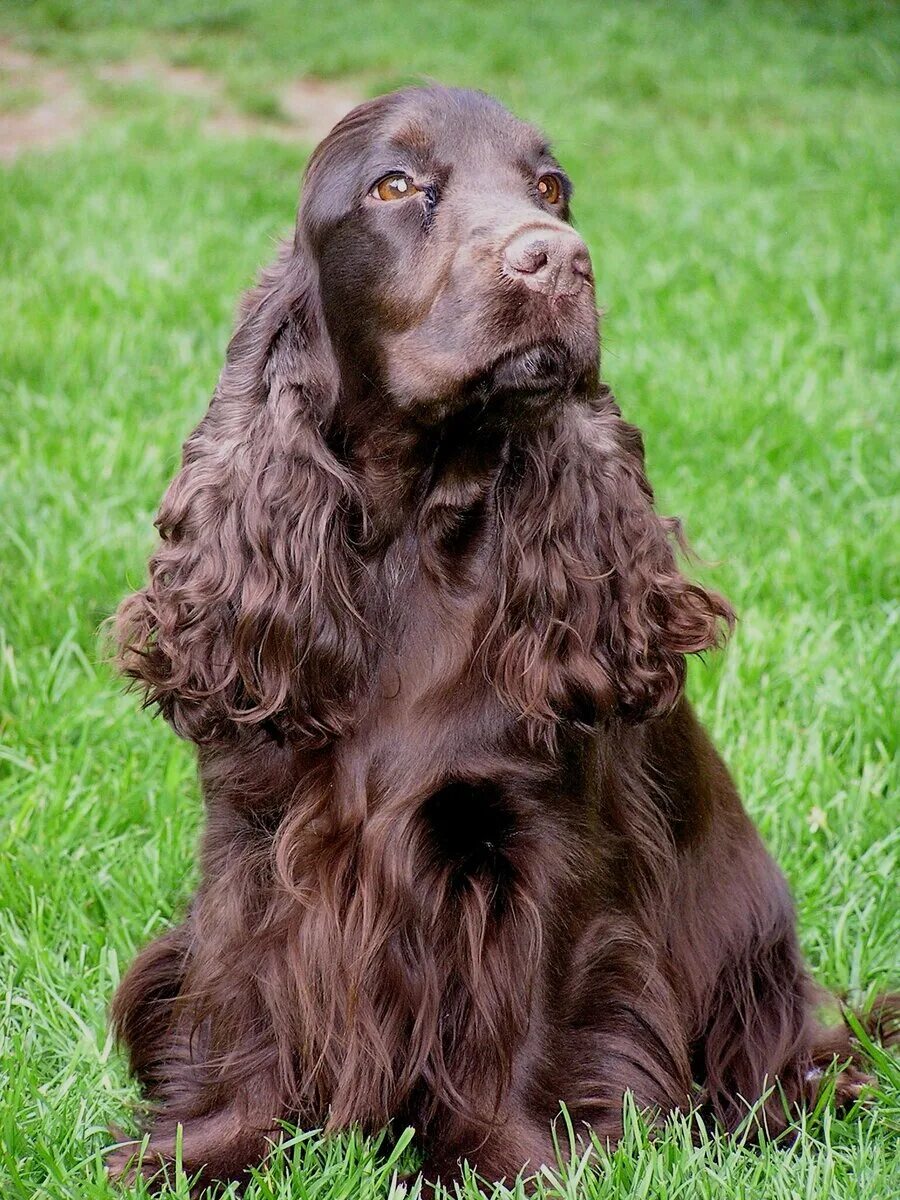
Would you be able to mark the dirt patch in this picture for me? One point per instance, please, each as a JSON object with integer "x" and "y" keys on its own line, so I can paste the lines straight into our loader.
{"x": 308, "y": 108}
{"x": 59, "y": 114}
{"x": 315, "y": 105}
{"x": 12, "y": 59}
{"x": 182, "y": 81}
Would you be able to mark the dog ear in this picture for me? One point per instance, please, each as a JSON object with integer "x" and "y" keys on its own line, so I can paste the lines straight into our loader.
{"x": 594, "y": 614}
{"x": 249, "y": 616}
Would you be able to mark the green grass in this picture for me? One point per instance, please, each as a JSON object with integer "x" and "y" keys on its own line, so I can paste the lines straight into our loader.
{"x": 737, "y": 180}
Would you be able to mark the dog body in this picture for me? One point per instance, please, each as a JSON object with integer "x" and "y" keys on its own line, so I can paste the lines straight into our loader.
{"x": 468, "y": 853}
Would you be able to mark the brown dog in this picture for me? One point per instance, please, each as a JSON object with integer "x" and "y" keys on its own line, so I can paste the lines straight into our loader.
{"x": 468, "y": 852}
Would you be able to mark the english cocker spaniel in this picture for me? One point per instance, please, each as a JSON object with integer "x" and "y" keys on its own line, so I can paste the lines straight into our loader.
{"x": 468, "y": 852}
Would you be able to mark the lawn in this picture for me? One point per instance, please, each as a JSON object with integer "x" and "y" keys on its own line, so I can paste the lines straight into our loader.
{"x": 736, "y": 175}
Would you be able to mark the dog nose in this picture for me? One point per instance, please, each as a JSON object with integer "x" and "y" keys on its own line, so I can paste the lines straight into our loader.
{"x": 555, "y": 262}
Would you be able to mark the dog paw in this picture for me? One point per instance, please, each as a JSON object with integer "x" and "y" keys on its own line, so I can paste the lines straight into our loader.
{"x": 851, "y": 1086}
{"x": 126, "y": 1163}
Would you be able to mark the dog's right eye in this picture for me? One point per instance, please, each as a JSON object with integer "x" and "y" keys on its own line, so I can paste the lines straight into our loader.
{"x": 396, "y": 186}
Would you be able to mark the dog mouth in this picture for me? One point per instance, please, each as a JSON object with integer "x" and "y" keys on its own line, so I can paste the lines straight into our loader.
{"x": 536, "y": 374}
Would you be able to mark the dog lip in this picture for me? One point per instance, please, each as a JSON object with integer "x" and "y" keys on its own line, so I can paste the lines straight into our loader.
{"x": 534, "y": 354}
{"x": 533, "y": 366}
{"x": 532, "y": 378}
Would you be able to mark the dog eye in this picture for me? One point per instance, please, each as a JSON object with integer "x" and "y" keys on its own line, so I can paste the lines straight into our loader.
{"x": 550, "y": 189}
{"x": 394, "y": 187}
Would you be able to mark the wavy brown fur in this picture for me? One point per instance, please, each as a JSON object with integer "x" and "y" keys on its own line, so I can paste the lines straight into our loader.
{"x": 468, "y": 853}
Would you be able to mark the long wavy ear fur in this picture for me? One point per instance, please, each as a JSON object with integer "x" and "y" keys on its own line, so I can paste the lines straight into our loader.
{"x": 594, "y": 615}
{"x": 248, "y": 616}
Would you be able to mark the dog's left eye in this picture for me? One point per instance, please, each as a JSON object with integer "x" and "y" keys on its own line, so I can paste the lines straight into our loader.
{"x": 394, "y": 187}
{"x": 550, "y": 189}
